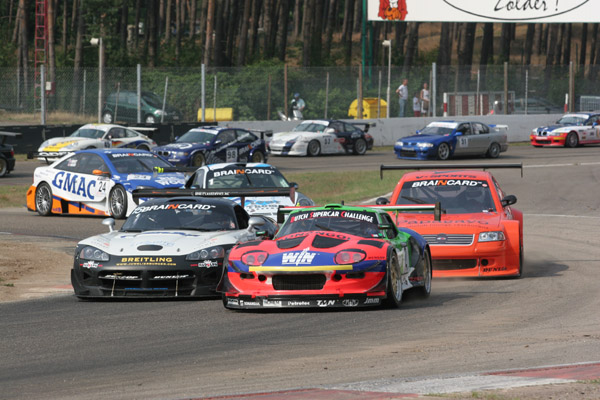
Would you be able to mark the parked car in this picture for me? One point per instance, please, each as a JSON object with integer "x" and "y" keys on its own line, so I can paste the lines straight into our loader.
{"x": 531, "y": 105}
{"x": 446, "y": 139}
{"x": 215, "y": 144}
{"x": 571, "y": 130}
{"x": 7, "y": 154}
{"x": 124, "y": 107}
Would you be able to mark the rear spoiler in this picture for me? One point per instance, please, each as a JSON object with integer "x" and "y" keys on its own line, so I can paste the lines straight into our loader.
{"x": 267, "y": 133}
{"x": 4, "y": 135}
{"x": 365, "y": 125}
{"x": 436, "y": 208}
{"x": 49, "y": 156}
{"x": 447, "y": 166}
{"x": 242, "y": 193}
{"x": 162, "y": 170}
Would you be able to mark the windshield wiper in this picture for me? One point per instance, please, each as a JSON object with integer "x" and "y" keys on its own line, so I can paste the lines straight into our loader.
{"x": 414, "y": 199}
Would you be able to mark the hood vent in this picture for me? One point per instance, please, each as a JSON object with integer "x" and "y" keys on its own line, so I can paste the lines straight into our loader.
{"x": 376, "y": 243}
{"x": 290, "y": 243}
{"x": 150, "y": 247}
{"x": 325, "y": 242}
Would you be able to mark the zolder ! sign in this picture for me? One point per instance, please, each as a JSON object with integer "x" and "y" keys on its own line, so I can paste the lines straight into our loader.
{"x": 482, "y": 10}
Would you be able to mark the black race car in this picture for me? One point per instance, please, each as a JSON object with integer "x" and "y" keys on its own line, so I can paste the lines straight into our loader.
{"x": 7, "y": 154}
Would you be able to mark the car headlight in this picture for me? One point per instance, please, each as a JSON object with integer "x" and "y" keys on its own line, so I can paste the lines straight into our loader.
{"x": 206, "y": 254}
{"x": 399, "y": 143}
{"x": 94, "y": 254}
{"x": 255, "y": 258}
{"x": 424, "y": 145}
{"x": 556, "y": 133}
{"x": 491, "y": 236}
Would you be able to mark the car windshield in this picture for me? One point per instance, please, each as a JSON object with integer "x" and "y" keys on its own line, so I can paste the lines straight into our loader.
{"x": 153, "y": 100}
{"x": 241, "y": 177}
{"x": 88, "y": 133}
{"x": 572, "y": 120}
{"x": 196, "y": 136}
{"x": 439, "y": 130}
{"x": 457, "y": 196}
{"x": 127, "y": 163}
{"x": 181, "y": 215}
{"x": 358, "y": 223}
{"x": 310, "y": 127}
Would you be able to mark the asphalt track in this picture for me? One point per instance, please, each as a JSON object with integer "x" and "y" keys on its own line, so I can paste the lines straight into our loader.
{"x": 59, "y": 347}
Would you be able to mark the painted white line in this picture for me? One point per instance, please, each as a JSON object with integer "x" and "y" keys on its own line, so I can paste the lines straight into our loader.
{"x": 560, "y": 165}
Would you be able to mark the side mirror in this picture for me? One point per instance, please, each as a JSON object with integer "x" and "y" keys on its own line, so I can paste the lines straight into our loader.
{"x": 254, "y": 223}
{"x": 176, "y": 138}
{"x": 459, "y": 133}
{"x": 508, "y": 200}
{"x": 329, "y": 130}
{"x": 218, "y": 141}
{"x": 99, "y": 172}
{"x": 382, "y": 201}
{"x": 294, "y": 185}
{"x": 110, "y": 222}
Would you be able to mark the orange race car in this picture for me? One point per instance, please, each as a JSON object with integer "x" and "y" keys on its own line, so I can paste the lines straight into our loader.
{"x": 479, "y": 234}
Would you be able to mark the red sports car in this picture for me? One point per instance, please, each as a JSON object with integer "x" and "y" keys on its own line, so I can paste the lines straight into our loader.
{"x": 479, "y": 234}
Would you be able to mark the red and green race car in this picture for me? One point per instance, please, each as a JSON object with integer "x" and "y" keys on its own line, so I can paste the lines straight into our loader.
{"x": 331, "y": 256}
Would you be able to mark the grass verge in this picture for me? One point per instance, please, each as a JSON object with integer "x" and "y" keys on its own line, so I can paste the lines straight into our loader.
{"x": 13, "y": 195}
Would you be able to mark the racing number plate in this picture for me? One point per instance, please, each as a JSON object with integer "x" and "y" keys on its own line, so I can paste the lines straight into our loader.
{"x": 463, "y": 142}
{"x": 231, "y": 154}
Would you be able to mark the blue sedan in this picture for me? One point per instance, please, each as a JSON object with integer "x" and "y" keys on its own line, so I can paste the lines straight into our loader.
{"x": 445, "y": 139}
{"x": 215, "y": 144}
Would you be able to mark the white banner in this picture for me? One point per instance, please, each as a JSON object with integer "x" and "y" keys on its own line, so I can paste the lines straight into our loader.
{"x": 484, "y": 10}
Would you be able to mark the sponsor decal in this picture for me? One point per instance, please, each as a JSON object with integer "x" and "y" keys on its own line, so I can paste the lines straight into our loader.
{"x": 164, "y": 261}
{"x": 326, "y": 303}
{"x": 138, "y": 177}
{"x": 172, "y": 276}
{"x": 233, "y": 302}
{"x": 119, "y": 277}
{"x": 369, "y": 217}
{"x": 208, "y": 264}
{"x": 448, "y": 182}
{"x": 303, "y": 257}
{"x": 272, "y": 303}
{"x": 180, "y": 206}
{"x": 297, "y": 303}
{"x": 350, "y": 302}
{"x": 494, "y": 269}
{"x": 74, "y": 183}
{"x": 169, "y": 180}
{"x": 249, "y": 171}
{"x": 372, "y": 300}
{"x": 121, "y": 155}
{"x": 90, "y": 264}
{"x": 244, "y": 303}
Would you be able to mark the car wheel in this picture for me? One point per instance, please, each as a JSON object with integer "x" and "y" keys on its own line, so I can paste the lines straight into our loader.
{"x": 494, "y": 150}
{"x": 198, "y": 160}
{"x": 117, "y": 202}
{"x": 150, "y": 119}
{"x": 360, "y": 147}
{"x": 143, "y": 147}
{"x": 394, "y": 283}
{"x": 258, "y": 157}
{"x": 572, "y": 140}
{"x": 314, "y": 148}
{"x": 443, "y": 151}
{"x": 425, "y": 290}
{"x": 3, "y": 167}
{"x": 520, "y": 262}
{"x": 107, "y": 117}
{"x": 43, "y": 199}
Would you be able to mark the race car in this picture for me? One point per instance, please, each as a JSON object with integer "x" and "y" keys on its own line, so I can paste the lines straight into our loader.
{"x": 315, "y": 137}
{"x": 571, "y": 130}
{"x": 95, "y": 136}
{"x": 215, "y": 144}
{"x": 331, "y": 256}
{"x": 97, "y": 182}
{"x": 7, "y": 154}
{"x": 478, "y": 234}
{"x": 445, "y": 139}
{"x": 166, "y": 248}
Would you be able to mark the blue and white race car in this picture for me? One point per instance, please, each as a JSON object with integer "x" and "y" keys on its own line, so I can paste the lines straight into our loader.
{"x": 215, "y": 144}
{"x": 446, "y": 139}
{"x": 571, "y": 130}
{"x": 97, "y": 182}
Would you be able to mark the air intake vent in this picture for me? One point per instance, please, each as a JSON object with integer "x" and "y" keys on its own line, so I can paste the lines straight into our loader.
{"x": 150, "y": 247}
{"x": 299, "y": 282}
{"x": 290, "y": 243}
{"x": 326, "y": 242}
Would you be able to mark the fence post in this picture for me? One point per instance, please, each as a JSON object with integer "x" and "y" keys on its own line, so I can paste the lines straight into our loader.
{"x": 43, "y": 93}
{"x": 215, "y": 101}
{"x": 506, "y": 88}
{"x": 202, "y": 92}
{"x": 269, "y": 99}
{"x": 433, "y": 89}
{"x": 139, "y": 93}
{"x": 571, "y": 87}
{"x": 285, "y": 91}
{"x": 359, "y": 110}
{"x": 326, "y": 93}
{"x": 162, "y": 116}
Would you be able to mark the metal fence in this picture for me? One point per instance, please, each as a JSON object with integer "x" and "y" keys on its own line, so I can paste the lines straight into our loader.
{"x": 258, "y": 93}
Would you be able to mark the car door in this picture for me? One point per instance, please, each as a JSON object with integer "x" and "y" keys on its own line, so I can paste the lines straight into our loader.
{"x": 333, "y": 137}
{"x": 116, "y": 137}
{"x": 463, "y": 140}
{"x": 79, "y": 178}
{"x": 590, "y": 134}
{"x": 246, "y": 141}
{"x": 480, "y": 138}
{"x": 224, "y": 148}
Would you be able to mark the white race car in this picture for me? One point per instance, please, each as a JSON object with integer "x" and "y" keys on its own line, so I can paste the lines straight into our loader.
{"x": 170, "y": 247}
{"x": 95, "y": 136}
{"x": 315, "y": 137}
{"x": 571, "y": 130}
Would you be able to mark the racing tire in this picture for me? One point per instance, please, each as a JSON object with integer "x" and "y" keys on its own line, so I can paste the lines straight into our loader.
{"x": 198, "y": 160}
{"x": 572, "y": 140}
{"x": 314, "y": 148}
{"x": 360, "y": 147}
{"x": 425, "y": 290}
{"x": 258, "y": 157}
{"x": 3, "y": 167}
{"x": 117, "y": 202}
{"x": 143, "y": 147}
{"x": 394, "y": 284}
{"x": 107, "y": 117}
{"x": 43, "y": 199}
{"x": 537, "y": 146}
{"x": 520, "y": 273}
{"x": 493, "y": 151}
{"x": 150, "y": 119}
{"x": 443, "y": 151}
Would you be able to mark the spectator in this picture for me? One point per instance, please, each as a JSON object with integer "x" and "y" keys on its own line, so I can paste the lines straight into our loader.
{"x": 298, "y": 105}
{"x": 417, "y": 105}
{"x": 425, "y": 100}
{"x": 402, "y": 96}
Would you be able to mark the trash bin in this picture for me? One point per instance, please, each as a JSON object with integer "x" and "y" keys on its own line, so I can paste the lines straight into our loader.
{"x": 223, "y": 114}
{"x": 369, "y": 108}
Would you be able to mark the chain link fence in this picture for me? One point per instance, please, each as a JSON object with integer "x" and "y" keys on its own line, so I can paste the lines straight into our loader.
{"x": 258, "y": 93}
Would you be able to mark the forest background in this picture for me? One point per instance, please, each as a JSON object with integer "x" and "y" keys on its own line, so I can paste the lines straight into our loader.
{"x": 246, "y": 45}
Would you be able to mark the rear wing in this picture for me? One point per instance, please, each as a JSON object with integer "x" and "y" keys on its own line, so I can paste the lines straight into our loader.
{"x": 262, "y": 134}
{"x": 4, "y": 135}
{"x": 365, "y": 125}
{"x": 499, "y": 128}
{"x": 435, "y": 208}
{"x": 48, "y": 156}
{"x": 447, "y": 166}
{"x": 240, "y": 192}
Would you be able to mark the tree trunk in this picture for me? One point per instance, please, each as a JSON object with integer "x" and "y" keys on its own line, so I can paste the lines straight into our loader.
{"x": 193, "y": 8}
{"x": 283, "y": 29}
{"x": 152, "y": 33}
{"x": 179, "y": 5}
{"x": 347, "y": 31}
{"x": 357, "y": 16}
{"x": 78, "y": 61}
{"x": 168, "y": 19}
{"x": 529, "y": 43}
{"x": 241, "y": 55}
{"x": 51, "y": 41}
{"x": 317, "y": 33}
{"x": 400, "y": 37}
{"x": 269, "y": 6}
{"x": 210, "y": 21}
{"x": 567, "y": 44}
{"x": 137, "y": 23}
{"x": 506, "y": 39}
{"x": 65, "y": 26}
{"x": 23, "y": 44}
{"x": 123, "y": 25}
{"x": 220, "y": 13}
{"x": 329, "y": 28}
{"x": 411, "y": 47}
{"x": 552, "y": 39}
{"x": 297, "y": 20}
{"x": 254, "y": 28}
{"x": 584, "y": 35}
{"x": 309, "y": 7}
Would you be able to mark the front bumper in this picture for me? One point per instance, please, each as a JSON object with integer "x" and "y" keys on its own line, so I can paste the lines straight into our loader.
{"x": 331, "y": 301}
{"x": 542, "y": 140}
{"x": 414, "y": 153}
{"x": 288, "y": 149}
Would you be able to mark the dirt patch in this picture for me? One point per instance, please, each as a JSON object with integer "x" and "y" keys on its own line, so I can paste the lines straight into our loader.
{"x": 565, "y": 391}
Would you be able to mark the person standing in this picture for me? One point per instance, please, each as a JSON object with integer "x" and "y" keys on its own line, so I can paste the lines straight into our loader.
{"x": 402, "y": 96}
{"x": 417, "y": 105}
{"x": 298, "y": 105}
{"x": 425, "y": 100}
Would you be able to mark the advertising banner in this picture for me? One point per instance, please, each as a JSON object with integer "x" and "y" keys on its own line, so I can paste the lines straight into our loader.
{"x": 542, "y": 11}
